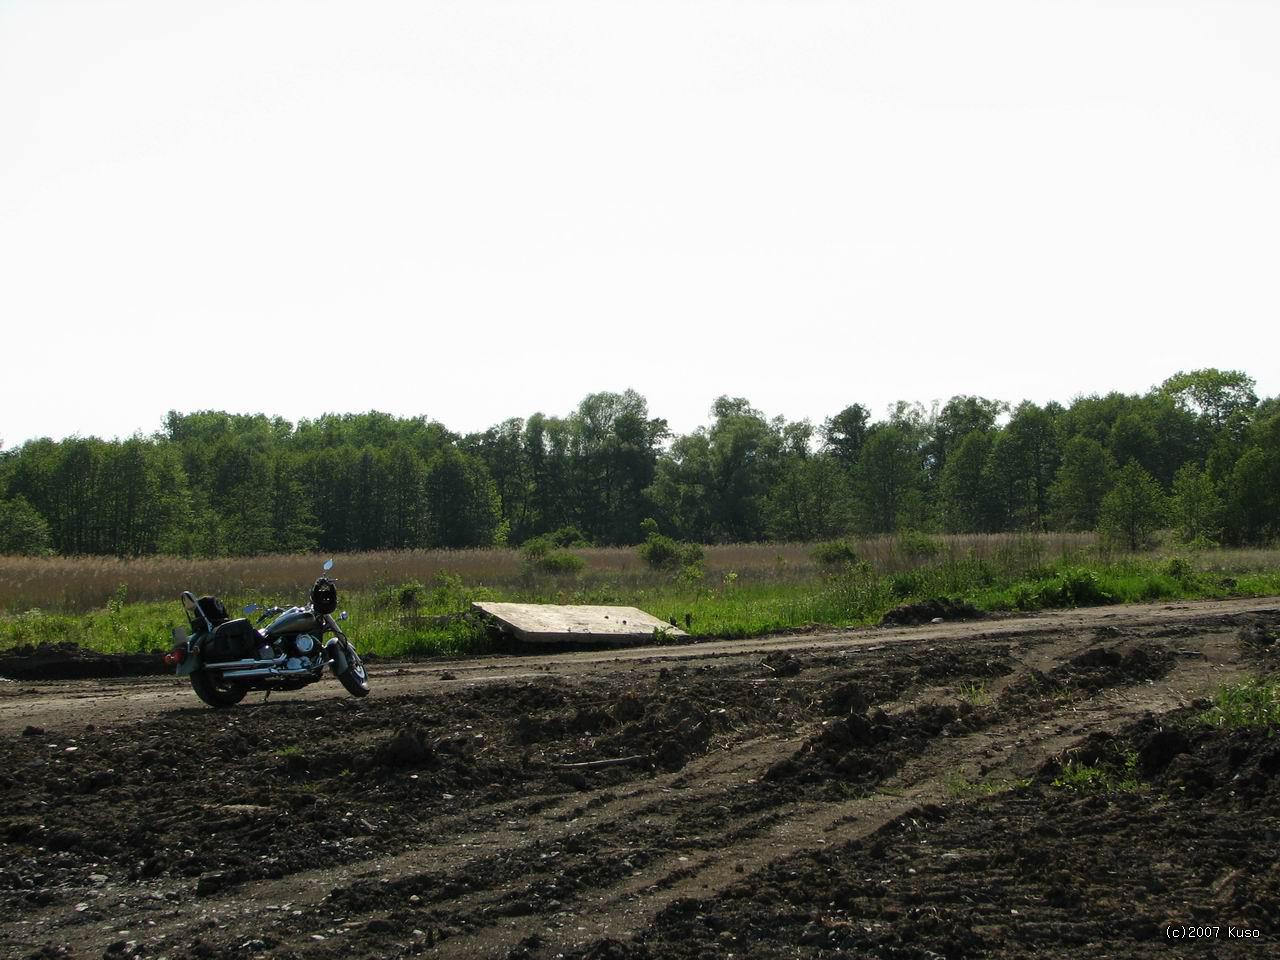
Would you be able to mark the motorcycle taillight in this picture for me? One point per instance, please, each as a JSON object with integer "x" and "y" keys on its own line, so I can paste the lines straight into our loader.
{"x": 175, "y": 657}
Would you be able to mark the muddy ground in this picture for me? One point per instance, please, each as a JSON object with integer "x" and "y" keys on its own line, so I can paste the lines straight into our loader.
{"x": 886, "y": 793}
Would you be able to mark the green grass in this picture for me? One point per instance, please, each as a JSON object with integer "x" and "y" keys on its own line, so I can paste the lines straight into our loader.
{"x": 1118, "y": 775}
{"x": 1253, "y": 703}
{"x": 960, "y": 787}
{"x": 410, "y": 618}
{"x": 974, "y": 693}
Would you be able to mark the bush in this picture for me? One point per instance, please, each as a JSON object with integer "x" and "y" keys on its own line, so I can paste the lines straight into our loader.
{"x": 661, "y": 552}
{"x": 915, "y": 545}
{"x": 541, "y": 554}
{"x": 1070, "y": 587}
{"x": 908, "y": 584}
{"x": 560, "y": 562}
{"x": 834, "y": 553}
{"x": 567, "y": 536}
{"x": 406, "y": 596}
{"x": 1178, "y": 568}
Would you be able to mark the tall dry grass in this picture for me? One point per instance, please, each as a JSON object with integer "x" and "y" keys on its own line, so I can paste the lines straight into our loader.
{"x": 77, "y": 584}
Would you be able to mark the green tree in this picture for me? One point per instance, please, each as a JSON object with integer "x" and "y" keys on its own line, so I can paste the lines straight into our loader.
{"x": 1081, "y": 483}
{"x": 1133, "y": 509}
{"x": 1253, "y": 492}
{"x": 845, "y": 433}
{"x": 682, "y": 487}
{"x": 1026, "y": 458}
{"x": 462, "y": 503}
{"x": 1219, "y": 397}
{"x": 960, "y": 416}
{"x": 888, "y": 479}
{"x": 965, "y": 489}
{"x": 810, "y": 500}
{"x": 1195, "y": 507}
{"x": 745, "y": 456}
{"x": 22, "y": 530}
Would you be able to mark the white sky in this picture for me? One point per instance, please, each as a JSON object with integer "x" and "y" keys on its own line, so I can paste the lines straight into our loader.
{"x": 477, "y": 210}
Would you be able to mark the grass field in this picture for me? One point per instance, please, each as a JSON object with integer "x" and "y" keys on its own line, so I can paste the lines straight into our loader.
{"x": 397, "y": 599}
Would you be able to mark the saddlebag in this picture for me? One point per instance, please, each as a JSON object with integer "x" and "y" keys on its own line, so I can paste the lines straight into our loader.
{"x": 233, "y": 640}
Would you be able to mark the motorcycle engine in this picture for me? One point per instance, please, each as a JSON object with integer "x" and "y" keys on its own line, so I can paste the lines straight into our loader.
{"x": 304, "y": 643}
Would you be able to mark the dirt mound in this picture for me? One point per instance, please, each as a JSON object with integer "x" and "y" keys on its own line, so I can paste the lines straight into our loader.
{"x": 782, "y": 664}
{"x": 927, "y": 611}
{"x": 70, "y": 661}
{"x": 1093, "y": 670}
{"x": 864, "y": 748}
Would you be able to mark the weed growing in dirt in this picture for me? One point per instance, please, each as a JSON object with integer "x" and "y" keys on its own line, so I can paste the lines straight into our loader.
{"x": 960, "y": 787}
{"x": 975, "y": 693}
{"x": 1119, "y": 775}
{"x": 1254, "y": 703}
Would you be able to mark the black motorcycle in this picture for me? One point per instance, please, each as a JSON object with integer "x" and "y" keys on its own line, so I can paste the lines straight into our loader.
{"x": 226, "y": 658}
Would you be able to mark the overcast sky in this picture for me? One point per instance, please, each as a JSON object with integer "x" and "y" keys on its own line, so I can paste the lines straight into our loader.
{"x": 478, "y": 210}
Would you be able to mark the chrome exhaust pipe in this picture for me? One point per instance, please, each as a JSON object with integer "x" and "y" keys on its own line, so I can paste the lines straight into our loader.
{"x": 242, "y": 664}
{"x": 266, "y": 672}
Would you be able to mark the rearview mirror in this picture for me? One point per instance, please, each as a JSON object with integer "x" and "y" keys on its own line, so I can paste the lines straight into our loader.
{"x": 328, "y": 565}
{"x": 251, "y": 608}
{"x": 342, "y": 615}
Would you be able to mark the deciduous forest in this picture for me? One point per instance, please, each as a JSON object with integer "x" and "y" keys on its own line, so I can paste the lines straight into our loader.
{"x": 1198, "y": 455}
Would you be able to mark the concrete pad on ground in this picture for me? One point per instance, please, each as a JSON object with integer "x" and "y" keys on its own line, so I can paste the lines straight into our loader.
{"x": 567, "y": 623}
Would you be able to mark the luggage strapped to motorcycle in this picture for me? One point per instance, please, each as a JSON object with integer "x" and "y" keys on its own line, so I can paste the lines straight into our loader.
{"x": 194, "y": 611}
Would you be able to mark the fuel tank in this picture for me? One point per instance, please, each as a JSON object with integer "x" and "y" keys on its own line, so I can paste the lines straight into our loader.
{"x": 293, "y": 620}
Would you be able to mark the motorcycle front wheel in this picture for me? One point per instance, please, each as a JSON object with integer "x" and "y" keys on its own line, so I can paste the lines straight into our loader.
{"x": 354, "y": 678}
{"x": 215, "y": 691}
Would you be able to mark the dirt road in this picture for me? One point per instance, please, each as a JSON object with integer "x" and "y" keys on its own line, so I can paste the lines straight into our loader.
{"x": 883, "y": 792}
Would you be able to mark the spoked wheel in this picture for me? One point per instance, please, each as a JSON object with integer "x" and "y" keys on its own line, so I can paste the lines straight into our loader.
{"x": 354, "y": 678}
{"x": 215, "y": 691}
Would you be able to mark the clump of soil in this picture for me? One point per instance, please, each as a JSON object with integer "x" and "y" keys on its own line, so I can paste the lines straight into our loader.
{"x": 782, "y": 664}
{"x": 863, "y": 748}
{"x": 1095, "y": 669}
{"x": 70, "y": 661}
{"x": 927, "y": 611}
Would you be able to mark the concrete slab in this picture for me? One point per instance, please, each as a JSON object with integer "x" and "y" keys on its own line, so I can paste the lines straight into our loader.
{"x": 561, "y": 623}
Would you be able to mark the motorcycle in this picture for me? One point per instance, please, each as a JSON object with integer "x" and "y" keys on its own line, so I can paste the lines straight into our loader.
{"x": 226, "y": 658}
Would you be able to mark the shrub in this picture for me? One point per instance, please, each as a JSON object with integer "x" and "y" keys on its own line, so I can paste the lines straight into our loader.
{"x": 661, "y": 552}
{"x": 907, "y": 584}
{"x": 541, "y": 554}
{"x": 915, "y": 545}
{"x": 834, "y": 553}
{"x": 406, "y": 596}
{"x": 1069, "y": 587}
{"x": 560, "y": 562}
{"x": 567, "y": 536}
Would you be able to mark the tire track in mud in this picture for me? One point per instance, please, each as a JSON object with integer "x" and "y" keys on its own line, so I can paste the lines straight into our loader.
{"x": 1013, "y": 750}
{"x": 520, "y": 872}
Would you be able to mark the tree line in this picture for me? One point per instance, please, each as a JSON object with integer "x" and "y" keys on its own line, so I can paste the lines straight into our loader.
{"x": 1199, "y": 454}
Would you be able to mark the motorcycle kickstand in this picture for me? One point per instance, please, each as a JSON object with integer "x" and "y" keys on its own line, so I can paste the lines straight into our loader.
{"x": 266, "y": 698}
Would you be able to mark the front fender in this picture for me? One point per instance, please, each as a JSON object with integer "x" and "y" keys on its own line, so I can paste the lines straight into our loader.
{"x": 336, "y": 651}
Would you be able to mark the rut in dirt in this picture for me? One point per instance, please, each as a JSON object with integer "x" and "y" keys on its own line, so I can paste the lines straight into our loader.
{"x": 454, "y": 824}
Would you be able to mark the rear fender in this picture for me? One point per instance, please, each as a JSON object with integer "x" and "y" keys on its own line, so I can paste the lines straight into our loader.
{"x": 192, "y": 661}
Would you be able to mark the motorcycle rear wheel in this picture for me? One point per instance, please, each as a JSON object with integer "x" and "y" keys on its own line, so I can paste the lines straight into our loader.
{"x": 354, "y": 678}
{"x": 215, "y": 691}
